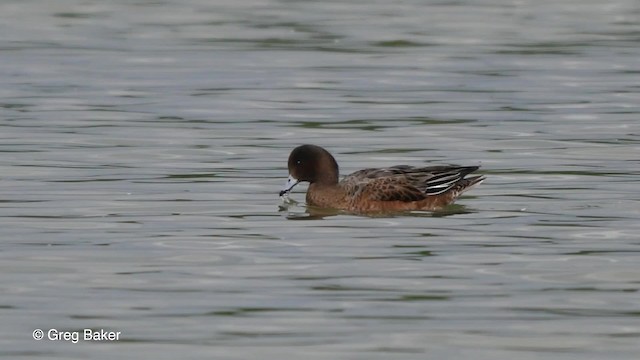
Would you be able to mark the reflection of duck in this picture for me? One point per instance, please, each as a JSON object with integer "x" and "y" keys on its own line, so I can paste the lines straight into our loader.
{"x": 294, "y": 211}
{"x": 397, "y": 188}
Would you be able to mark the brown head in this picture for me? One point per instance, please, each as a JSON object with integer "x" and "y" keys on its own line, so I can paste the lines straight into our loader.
{"x": 313, "y": 164}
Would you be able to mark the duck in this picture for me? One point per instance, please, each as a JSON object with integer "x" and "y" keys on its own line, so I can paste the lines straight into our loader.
{"x": 397, "y": 188}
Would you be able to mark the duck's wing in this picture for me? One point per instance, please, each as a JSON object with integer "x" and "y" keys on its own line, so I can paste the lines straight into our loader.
{"x": 436, "y": 180}
{"x": 403, "y": 182}
{"x": 373, "y": 173}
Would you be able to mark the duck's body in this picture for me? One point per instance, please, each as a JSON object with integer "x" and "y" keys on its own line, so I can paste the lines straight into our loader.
{"x": 397, "y": 188}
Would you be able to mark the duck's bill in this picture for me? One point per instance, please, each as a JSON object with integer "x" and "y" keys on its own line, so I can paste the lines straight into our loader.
{"x": 291, "y": 182}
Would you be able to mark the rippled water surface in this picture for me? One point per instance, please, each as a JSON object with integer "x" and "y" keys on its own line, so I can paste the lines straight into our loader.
{"x": 143, "y": 145}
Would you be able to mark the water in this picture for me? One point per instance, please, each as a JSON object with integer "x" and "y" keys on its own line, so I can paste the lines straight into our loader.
{"x": 144, "y": 144}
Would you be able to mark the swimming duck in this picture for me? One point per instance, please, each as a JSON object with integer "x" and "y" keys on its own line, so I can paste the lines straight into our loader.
{"x": 392, "y": 189}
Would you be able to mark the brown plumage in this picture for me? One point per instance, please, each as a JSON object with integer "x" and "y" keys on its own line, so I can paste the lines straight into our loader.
{"x": 397, "y": 188}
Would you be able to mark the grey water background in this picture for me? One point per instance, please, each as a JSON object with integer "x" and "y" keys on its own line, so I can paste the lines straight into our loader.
{"x": 143, "y": 145}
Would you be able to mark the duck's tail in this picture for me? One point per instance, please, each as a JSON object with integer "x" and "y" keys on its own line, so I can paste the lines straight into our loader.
{"x": 467, "y": 184}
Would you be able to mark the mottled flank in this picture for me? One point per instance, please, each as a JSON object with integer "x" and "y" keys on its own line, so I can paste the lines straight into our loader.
{"x": 397, "y": 188}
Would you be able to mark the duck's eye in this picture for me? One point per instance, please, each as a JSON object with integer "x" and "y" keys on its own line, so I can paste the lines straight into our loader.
{"x": 298, "y": 162}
